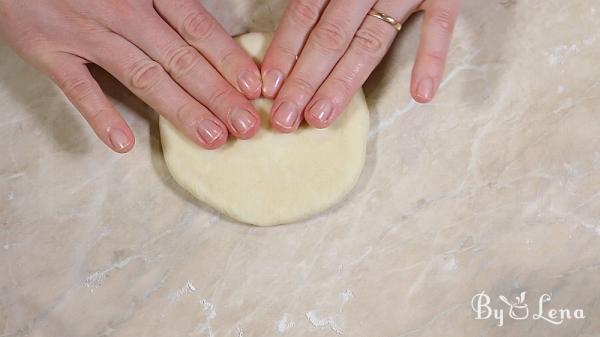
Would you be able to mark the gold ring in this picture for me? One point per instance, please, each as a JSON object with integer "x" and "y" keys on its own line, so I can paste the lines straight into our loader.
{"x": 386, "y": 18}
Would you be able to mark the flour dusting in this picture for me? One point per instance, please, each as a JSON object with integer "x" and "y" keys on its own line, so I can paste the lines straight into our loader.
{"x": 327, "y": 322}
{"x": 591, "y": 40}
{"x": 284, "y": 324}
{"x": 450, "y": 265}
{"x": 347, "y": 296}
{"x": 557, "y": 55}
{"x": 209, "y": 309}
{"x": 186, "y": 289}
{"x": 94, "y": 280}
{"x": 210, "y": 313}
{"x": 593, "y": 228}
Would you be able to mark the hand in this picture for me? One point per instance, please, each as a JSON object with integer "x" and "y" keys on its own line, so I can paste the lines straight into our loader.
{"x": 170, "y": 53}
{"x": 324, "y": 50}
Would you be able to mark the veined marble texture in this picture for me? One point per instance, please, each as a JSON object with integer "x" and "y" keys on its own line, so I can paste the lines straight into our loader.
{"x": 495, "y": 188}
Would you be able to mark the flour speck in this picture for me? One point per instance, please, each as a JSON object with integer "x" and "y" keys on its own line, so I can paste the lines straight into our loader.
{"x": 284, "y": 324}
{"x": 323, "y": 322}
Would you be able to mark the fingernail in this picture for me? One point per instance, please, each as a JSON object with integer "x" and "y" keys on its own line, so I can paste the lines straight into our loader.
{"x": 242, "y": 120}
{"x": 272, "y": 82}
{"x": 119, "y": 139}
{"x": 286, "y": 115}
{"x": 249, "y": 82}
{"x": 425, "y": 89}
{"x": 322, "y": 110}
{"x": 209, "y": 131}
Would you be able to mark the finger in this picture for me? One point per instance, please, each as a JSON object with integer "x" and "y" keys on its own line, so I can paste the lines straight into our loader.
{"x": 325, "y": 46}
{"x": 197, "y": 26}
{"x": 298, "y": 20}
{"x": 196, "y": 75}
{"x": 369, "y": 46}
{"x": 75, "y": 80}
{"x": 436, "y": 34}
{"x": 150, "y": 82}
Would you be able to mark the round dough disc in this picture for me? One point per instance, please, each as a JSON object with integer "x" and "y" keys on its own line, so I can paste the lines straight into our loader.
{"x": 273, "y": 178}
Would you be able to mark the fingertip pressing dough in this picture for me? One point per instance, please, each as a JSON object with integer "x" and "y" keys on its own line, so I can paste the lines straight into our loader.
{"x": 273, "y": 178}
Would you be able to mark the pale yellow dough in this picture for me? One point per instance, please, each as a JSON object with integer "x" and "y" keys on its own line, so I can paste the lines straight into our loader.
{"x": 273, "y": 178}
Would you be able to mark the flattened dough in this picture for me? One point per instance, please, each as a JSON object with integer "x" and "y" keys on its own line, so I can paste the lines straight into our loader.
{"x": 273, "y": 178}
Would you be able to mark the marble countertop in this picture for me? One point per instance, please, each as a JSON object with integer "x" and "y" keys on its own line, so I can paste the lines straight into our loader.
{"x": 494, "y": 188}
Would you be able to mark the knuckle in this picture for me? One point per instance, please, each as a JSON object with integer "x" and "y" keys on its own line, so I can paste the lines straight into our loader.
{"x": 31, "y": 42}
{"x": 198, "y": 26}
{"x": 286, "y": 51}
{"x": 228, "y": 59}
{"x": 184, "y": 112}
{"x": 331, "y": 36}
{"x": 145, "y": 75}
{"x": 219, "y": 95}
{"x": 436, "y": 56}
{"x": 182, "y": 60}
{"x": 130, "y": 6}
{"x": 96, "y": 117}
{"x": 342, "y": 85}
{"x": 304, "y": 86}
{"x": 371, "y": 41}
{"x": 124, "y": 8}
{"x": 444, "y": 19}
{"x": 77, "y": 89}
{"x": 305, "y": 12}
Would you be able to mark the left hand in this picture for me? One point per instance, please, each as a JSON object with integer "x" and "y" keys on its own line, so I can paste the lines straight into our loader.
{"x": 324, "y": 51}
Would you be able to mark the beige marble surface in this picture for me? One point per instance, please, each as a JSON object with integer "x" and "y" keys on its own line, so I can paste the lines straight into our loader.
{"x": 495, "y": 187}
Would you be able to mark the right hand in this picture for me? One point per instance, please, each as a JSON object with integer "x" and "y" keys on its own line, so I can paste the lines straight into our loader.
{"x": 171, "y": 53}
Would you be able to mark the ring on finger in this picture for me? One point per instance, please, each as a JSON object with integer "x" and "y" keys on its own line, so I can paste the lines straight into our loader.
{"x": 386, "y": 18}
